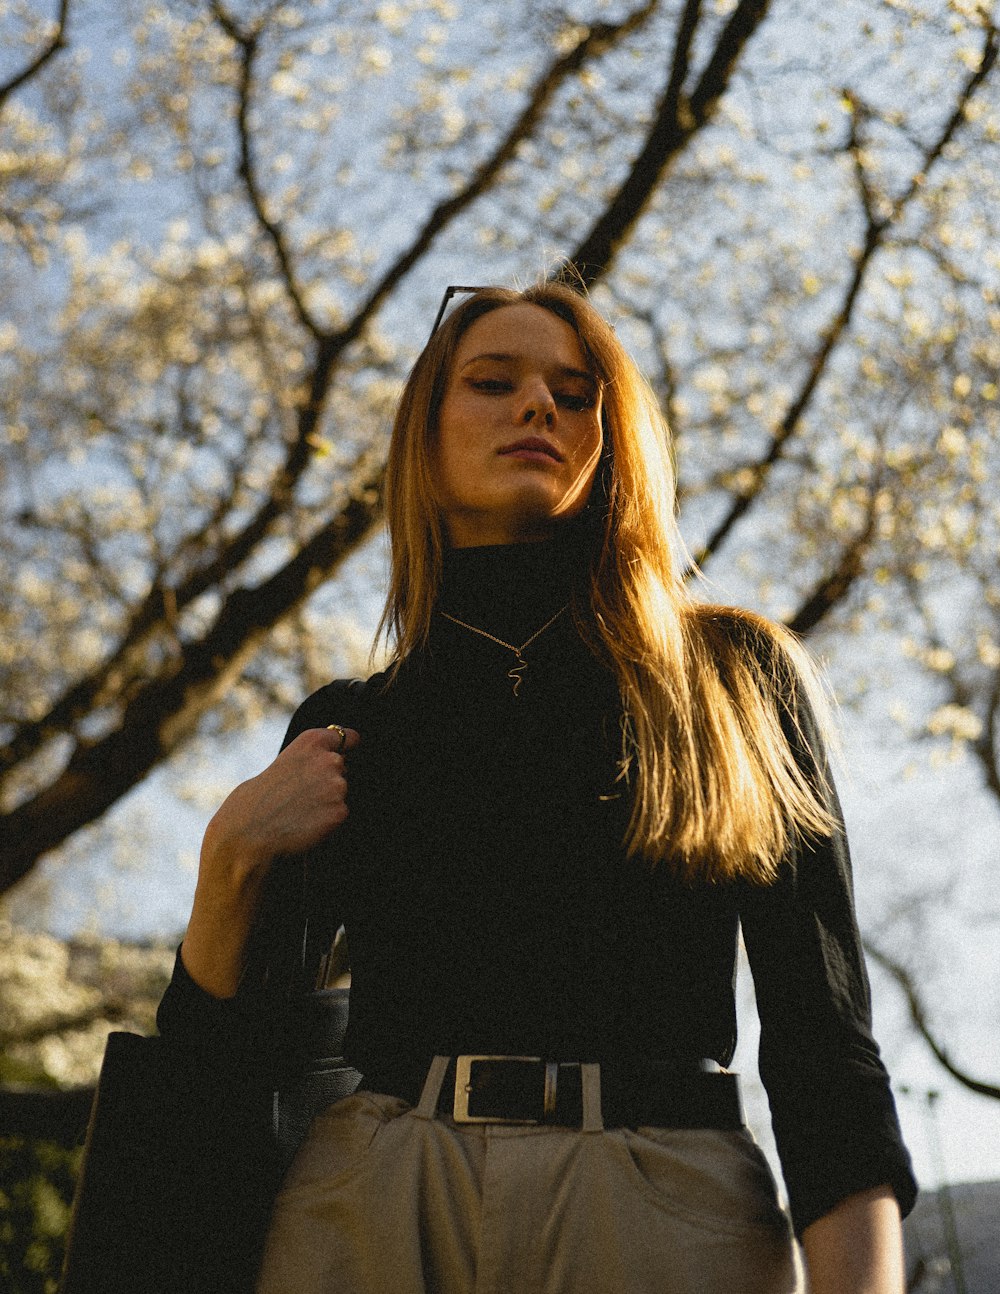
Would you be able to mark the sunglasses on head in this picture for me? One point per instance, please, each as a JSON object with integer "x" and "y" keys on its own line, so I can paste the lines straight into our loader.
{"x": 449, "y": 292}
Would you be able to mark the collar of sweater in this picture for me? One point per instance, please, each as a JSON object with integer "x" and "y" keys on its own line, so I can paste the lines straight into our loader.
{"x": 511, "y": 590}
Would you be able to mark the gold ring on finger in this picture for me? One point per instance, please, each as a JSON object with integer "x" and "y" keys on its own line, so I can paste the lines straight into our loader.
{"x": 335, "y": 727}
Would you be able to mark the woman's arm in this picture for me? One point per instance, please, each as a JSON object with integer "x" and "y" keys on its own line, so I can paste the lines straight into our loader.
{"x": 292, "y": 805}
{"x": 857, "y": 1248}
{"x": 832, "y": 1109}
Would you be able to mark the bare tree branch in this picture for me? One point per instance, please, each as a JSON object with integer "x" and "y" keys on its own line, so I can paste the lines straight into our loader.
{"x": 665, "y": 379}
{"x": 833, "y": 587}
{"x": 986, "y": 745}
{"x": 25, "y": 234}
{"x": 57, "y": 43}
{"x": 249, "y": 43}
{"x": 676, "y": 120}
{"x": 158, "y": 610}
{"x": 162, "y": 599}
{"x": 331, "y": 345}
{"x": 598, "y": 39}
{"x": 918, "y": 1015}
{"x": 166, "y": 709}
{"x": 877, "y": 227}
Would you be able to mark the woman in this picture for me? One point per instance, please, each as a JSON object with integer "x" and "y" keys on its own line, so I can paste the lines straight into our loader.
{"x": 569, "y": 789}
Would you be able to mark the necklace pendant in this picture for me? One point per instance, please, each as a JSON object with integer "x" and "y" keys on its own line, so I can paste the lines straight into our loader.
{"x": 516, "y": 671}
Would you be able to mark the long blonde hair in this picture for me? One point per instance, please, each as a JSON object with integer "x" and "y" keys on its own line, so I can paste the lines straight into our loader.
{"x": 716, "y": 789}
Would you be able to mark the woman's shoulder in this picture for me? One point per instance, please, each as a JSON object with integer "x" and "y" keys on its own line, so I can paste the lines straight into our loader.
{"x": 728, "y": 629}
{"x": 744, "y": 643}
{"x": 342, "y": 701}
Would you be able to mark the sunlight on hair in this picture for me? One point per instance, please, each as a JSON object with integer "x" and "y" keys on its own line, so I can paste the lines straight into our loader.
{"x": 714, "y": 698}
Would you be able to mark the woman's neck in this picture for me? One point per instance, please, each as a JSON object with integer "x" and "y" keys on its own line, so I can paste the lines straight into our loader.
{"x": 511, "y": 589}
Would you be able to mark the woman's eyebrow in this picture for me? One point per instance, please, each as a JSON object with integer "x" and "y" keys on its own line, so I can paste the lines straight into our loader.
{"x": 564, "y": 370}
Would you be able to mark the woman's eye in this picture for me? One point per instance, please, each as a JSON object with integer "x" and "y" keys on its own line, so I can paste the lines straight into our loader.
{"x": 575, "y": 403}
{"x": 570, "y": 400}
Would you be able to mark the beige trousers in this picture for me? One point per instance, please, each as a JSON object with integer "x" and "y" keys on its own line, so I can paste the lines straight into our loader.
{"x": 385, "y": 1198}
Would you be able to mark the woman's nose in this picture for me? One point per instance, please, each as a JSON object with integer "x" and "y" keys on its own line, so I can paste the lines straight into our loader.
{"x": 538, "y": 403}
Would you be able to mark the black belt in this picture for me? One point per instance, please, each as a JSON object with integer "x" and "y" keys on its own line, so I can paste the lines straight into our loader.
{"x": 528, "y": 1090}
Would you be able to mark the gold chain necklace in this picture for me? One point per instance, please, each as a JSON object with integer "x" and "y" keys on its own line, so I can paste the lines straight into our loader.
{"x": 516, "y": 671}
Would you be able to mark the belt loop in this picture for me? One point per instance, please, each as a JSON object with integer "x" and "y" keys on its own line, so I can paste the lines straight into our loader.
{"x": 432, "y": 1088}
{"x": 590, "y": 1085}
{"x": 551, "y": 1091}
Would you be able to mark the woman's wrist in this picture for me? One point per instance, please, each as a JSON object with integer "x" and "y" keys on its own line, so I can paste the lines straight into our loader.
{"x": 214, "y": 949}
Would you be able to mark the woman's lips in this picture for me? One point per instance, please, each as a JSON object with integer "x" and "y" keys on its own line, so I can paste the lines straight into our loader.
{"x": 533, "y": 447}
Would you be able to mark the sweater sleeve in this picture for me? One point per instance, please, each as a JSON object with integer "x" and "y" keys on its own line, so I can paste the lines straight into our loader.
{"x": 832, "y": 1110}
{"x": 240, "y": 1027}
{"x": 211, "y": 1027}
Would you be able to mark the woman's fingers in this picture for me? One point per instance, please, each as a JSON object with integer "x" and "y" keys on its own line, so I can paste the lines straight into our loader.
{"x": 334, "y": 738}
{"x": 307, "y": 783}
{"x": 346, "y": 738}
{"x": 296, "y": 801}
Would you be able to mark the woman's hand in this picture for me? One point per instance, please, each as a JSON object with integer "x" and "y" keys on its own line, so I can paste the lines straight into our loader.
{"x": 292, "y": 805}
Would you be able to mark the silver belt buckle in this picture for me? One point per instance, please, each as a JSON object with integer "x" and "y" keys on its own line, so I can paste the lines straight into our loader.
{"x": 463, "y": 1090}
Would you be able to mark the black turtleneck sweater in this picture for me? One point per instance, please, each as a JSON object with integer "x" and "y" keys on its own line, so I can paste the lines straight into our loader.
{"x": 490, "y": 907}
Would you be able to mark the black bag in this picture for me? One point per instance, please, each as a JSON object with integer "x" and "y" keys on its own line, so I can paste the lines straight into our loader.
{"x": 184, "y": 1152}
{"x": 182, "y": 1158}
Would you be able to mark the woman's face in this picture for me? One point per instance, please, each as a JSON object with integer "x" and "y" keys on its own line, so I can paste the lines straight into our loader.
{"x": 519, "y": 429}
